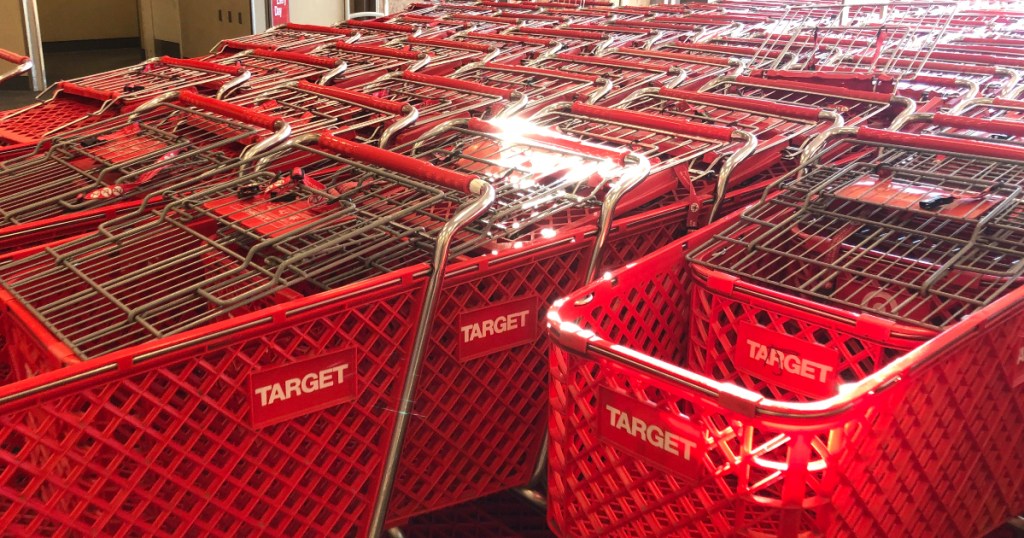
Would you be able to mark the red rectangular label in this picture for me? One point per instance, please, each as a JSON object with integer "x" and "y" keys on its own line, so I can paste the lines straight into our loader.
{"x": 666, "y": 440}
{"x": 278, "y": 12}
{"x": 497, "y": 328}
{"x": 780, "y": 359}
{"x": 298, "y": 388}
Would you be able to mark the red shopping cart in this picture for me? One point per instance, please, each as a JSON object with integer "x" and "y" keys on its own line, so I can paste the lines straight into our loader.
{"x": 342, "y": 113}
{"x": 993, "y": 78}
{"x": 626, "y": 76}
{"x": 574, "y": 41}
{"x": 22, "y": 64}
{"x": 269, "y": 68}
{"x": 370, "y": 62}
{"x": 83, "y": 178}
{"x": 290, "y": 37}
{"x": 439, "y": 99}
{"x": 379, "y": 33}
{"x": 620, "y": 36}
{"x": 447, "y": 9}
{"x": 446, "y": 55}
{"x": 431, "y": 26}
{"x": 537, "y": 20}
{"x": 677, "y": 31}
{"x": 798, "y": 368}
{"x": 511, "y": 49}
{"x": 88, "y": 99}
{"x": 696, "y": 69}
{"x": 753, "y": 57}
{"x": 541, "y": 86}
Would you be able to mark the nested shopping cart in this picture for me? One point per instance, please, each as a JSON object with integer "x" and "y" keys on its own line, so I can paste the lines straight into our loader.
{"x": 677, "y": 31}
{"x": 537, "y": 20}
{"x": 82, "y": 178}
{"x": 343, "y": 113}
{"x": 291, "y": 37}
{"x": 269, "y": 68}
{"x": 696, "y": 69}
{"x": 753, "y": 57}
{"x": 620, "y": 36}
{"x": 22, "y": 64}
{"x": 446, "y": 55}
{"x": 574, "y": 41}
{"x": 322, "y": 263}
{"x": 84, "y": 100}
{"x": 438, "y": 99}
{"x": 541, "y": 86}
{"x": 486, "y": 23}
{"x": 626, "y": 75}
{"x": 580, "y": 16}
{"x": 440, "y": 9}
{"x": 511, "y": 49}
{"x": 365, "y": 63}
{"x": 807, "y": 367}
{"x": 379, "y": 33}
{"x": 431, "y": 26}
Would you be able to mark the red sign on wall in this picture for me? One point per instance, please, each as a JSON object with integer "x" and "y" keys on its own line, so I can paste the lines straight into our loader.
{"x": 278, "y": 12}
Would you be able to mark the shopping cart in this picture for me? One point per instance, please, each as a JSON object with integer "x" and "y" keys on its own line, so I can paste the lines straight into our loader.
{"x": 542, "y": 87}
{"x": 674, "y": 31}
{"x": 431, "y": 26}
{"x": 511, "y": 49}
{"x": 995, "y": 78}
{"x": 695, "y": 395}
{"x": 342, "y": 113}
{"x": 619, "y": 36}
{"x": 574, "y": 41}
{"x": 82, "y": 178}
{"x": 379, "y": 33}
{"x": 370, "y": 62}
{"x": 696, "y": 70}
{"x": 447, "y": 9}
{"x": 88, "y": 99}
{"x": 626, "y": 76}
{"x": 269, "y": 68}
{"x": 537, "y": 20}
{"x": 446, "y": 55}
{"x": 291, "y": 37}
{"x": 753, "y": 57}
{"x": 22, "y": 64}
{"x": 439, "y": 99}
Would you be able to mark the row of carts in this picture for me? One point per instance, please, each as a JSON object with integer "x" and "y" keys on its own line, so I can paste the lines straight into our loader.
{"x": 299, "y": 286}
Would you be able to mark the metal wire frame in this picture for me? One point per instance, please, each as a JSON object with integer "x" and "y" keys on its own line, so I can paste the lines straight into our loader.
{"x": 693, "y": 68}
{"x": 271, "y": 68}
{"x": 311, "y": 108}
{"x": 511, "y": 49}
{"x": 289, "y": 37}
{"x": 620, "y": 36}
{"x": 752, "y": 57}
{"x": 671, "y": 31}
{"x": 439, "y": 9}
{"x": 918, "y": 235}
{"x": 444, "y": 52}
{"x": 438, "y": 98}
{"x": 626, "y": 76}
{"x": 209, "y": 253}
{"x": 377, "y": 33}
{"x": 365, "y": 62}
{"x": 485, "y": 23}
{"x": 429, "y": 25}
{"x": 541, "y": 86}
{"x": 857, "y": 108}
{"x": 571, "y": 40}
{"x": 164, "y": 144}
{"x": 995, "y": 78}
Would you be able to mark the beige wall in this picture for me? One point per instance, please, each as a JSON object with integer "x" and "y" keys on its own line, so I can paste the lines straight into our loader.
{"x": 315, "y": 11}
{"x": 73, "y": 20}
{"x": 12, "y": 29}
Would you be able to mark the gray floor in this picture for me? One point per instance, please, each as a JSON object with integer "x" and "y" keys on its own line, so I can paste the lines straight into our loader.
{"x": 68, "y": 65}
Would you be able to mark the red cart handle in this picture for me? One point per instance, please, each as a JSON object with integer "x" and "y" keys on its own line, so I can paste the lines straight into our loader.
{"x": 532, "y": 16}
{"x": 419, "y": 18}
{"x": 554, "y": 139}
{"x": 456, "y": 84}
{"x": 1008, "y": 103}
{"x": 485, "y": 18}
{"x": 409, "y": 166}
{"x": 658, "y": 25}
{"x": 203, "y": 66}
{"x": 732, "y": 49}
{"x": 655, "y": 121}
{"x": 981, "y": 59}
{"x": 1014, "y": 128}
{"x": 387, "y": 26}
{"x": 746, "y": 103}
{"x": 599, "y": 29}
{"x": 712, "y": 19}
{"x": 89, "y": 93}
{"x": 318, "y": 29}
{"x": 13, "y": 57}
{"x": 675, "y": 56}
{"x": 576, "y": 34}
{"x": 298, "y": 57}
{"x": 448, "y": 44}
{"x": 601, "y": 60}
{"x": 379, "y": 51}
{"x": 543, "y": 72}
{"x": 243, "y": 45}
{"x": 511, "y": 38}
{"x": 941, "y": 66}
{"x": 359, "y": 98}
{"x": 230, "y": 110}
{"x": 940, "y": 143}
{"x": 837, "y": 91}
{"x": 946, "y": 82}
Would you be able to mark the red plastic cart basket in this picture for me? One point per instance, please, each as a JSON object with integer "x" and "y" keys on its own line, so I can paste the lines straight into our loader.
{"x": 626, "y": 75}
{"x": 291, "y": 37}
{"x": 90, "y": 98}
{"x": 22, "y": 64}
{"x": 650, "y": 438}
{"x": 541, "y": 86}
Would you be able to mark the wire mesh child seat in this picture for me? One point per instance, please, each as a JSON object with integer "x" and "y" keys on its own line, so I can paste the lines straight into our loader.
{"x": 76, "y": 181}
{"x": 862, "y": 278}
{"x": 94, "y": 97}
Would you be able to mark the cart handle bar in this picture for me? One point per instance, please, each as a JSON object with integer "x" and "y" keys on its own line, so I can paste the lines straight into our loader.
{"x": 379, "y": 51}
{"x": 595, "y": 28}
{"x": 448, "y": 44}
{"x": 678, "y": 56}
{"x": 318, "y": 29}
{"x": 655, "y": 121}
{"x": 12, "y": 57}
{"x": 359, "y": 98}
{"x": 201, "y": 65}
{"x": 386, "y": 26}
{"x": 616, "y": 62}
{"x": 485, "y": 18}
{"x": 456, "y": 84}
{"x": 511, "y": 38}
{"x": 941, "y": 143}
{"x": 230, "y": 110}
{"x": 298, "y": 57}
{"x": 757, "y": 105}
{"x": 532, "y": 16}
{"x": 553, "y": 139}
{"x": 562, "y": 33}
{"x": 538, "y": 71}
{"x": 1014, "y": 128}
{"x": 404, "y": 164}
{"x": 837, "y": 91}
